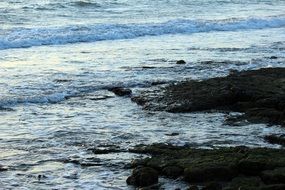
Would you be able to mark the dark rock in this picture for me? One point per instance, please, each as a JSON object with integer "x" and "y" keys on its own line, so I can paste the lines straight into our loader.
{"x": 148, "y": 67}
{"x": 213, "y": 186}
{"x": 105, "y": 151}
{"x": 2, "y": 168}
{"x": 172, "y": 171}
{"x": 172, "y": 134}
{"x": 236, "y": 166}
{"x": 152, "y": 187}
{"x": 275, "y": 139}
{"x": 275, "y": 176}
{"x": 42, "y": 176}
{"x": 244, "y": 182}
{"x": 120, "y": 91}
{"x": 251, "y": 166}
{"x": 62, "y": 80}
{"x": 273, "y": 187}
{"x": 260, "y": 94}
{"x": 142, "y": 177}
{"x": 209, "y": 172}
{"x": 180, "y": 62}
{"x": 6, "y": 109}
{"x": 273, "y": 57}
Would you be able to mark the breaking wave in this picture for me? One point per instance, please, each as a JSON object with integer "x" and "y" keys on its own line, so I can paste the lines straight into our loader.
{"x": 27, "y": 37}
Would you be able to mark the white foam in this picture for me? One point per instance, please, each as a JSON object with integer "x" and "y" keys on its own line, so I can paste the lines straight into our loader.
{"x": 27, "y": 37}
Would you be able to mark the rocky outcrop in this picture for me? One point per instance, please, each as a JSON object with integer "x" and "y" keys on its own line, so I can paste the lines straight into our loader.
{"x": 275, "y": 139}
{"x": 120, "y": 91}
{"x": 260, "y": 94}
{"x": 143, "y": 177}
{"x": 180, "y": 62}
{"x": 222, "y": 168}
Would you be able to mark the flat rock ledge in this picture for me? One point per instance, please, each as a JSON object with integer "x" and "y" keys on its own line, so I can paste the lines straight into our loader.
{"x": 231, "y": 168}
{"x": 259, "y": 94}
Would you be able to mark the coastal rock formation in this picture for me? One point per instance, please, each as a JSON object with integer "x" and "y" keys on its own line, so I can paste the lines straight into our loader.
{"x": 143, "y": 176}
{"x": 229, "y": 168}
{"x": 120, "y": 91}
{"x": 259, "y": 94}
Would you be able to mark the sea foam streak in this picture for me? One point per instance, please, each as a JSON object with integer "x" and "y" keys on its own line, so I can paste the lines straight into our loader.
{"x": 24, "y": 37}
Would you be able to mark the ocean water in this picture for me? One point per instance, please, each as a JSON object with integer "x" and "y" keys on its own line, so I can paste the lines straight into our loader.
{"x": 58, "y": 57}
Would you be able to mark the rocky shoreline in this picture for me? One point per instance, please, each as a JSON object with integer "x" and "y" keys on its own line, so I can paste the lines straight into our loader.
{"x": 259, "y": 94}
{"x": 231, "y": 168}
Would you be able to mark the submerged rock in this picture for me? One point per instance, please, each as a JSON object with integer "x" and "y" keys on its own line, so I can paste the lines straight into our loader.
{"x": 2, "y": 168}
{"x": 275, "y": 139}
{"x": 260, "y": 94}
{"x": 224, "y": 168}
{"x": 180, "y": 62}
{"x": 143, "y": 176}
{"x": 120, "y": 91}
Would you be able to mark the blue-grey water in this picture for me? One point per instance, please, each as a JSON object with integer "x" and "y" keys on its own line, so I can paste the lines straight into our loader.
{"x": 57, "y": 57}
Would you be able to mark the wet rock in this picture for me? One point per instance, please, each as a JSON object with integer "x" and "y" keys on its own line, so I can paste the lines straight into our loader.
{"x": 275, "y": 176}
{"x": 6, "y": 109}
{"x": 62, "y": 80}
{"x": 213, "y": 186}
{"x": 172, "y": 171}
{"x": 244, "y": 182}
{"x": 252, "y": 166}
{"x": 2, "y": 168}
{"x": 105, "y": 151}
{"x": 180, "y": 62}
{"x": 232, "y": 167}
{"x": 275, "y": 139}
{"x": 259, "y": 94}
{"x": 142, "y": 177}
{"x": 273, "y": 187}
{"x": 120, "y": 91}
{"x": 42, "y": 176}
{"x": 273, "y": 57}
{"x": 172, "y": 134}
{"x": 148, "y": 67}
{"x": 208, "y": 172}
{"x": 154, "y": 83}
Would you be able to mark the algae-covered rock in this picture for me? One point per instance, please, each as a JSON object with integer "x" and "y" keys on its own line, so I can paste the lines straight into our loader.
{"x": 274, "y": 176}
{"x": 172, "y": 171}
{"x": 244, "y": 182}
{"x": 260, "y": 94}
{"x": 230, "y": 166}
{"x": 142, "y": 177}
{"x": 207, "y": 172}
{"x": 213, "y": 186}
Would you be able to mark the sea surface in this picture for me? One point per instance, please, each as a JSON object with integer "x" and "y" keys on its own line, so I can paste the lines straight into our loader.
{"x": 59, "y": 57}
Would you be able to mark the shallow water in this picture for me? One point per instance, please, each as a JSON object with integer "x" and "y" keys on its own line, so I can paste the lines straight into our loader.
{"x": 54, "y": 72}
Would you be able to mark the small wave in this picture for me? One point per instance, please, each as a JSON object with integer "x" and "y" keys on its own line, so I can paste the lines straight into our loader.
{"x": 51, "y": 98}
{"x": 24, "y": 37}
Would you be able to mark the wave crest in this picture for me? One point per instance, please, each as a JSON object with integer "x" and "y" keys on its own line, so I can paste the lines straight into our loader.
{"x": 24, "y": 37}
